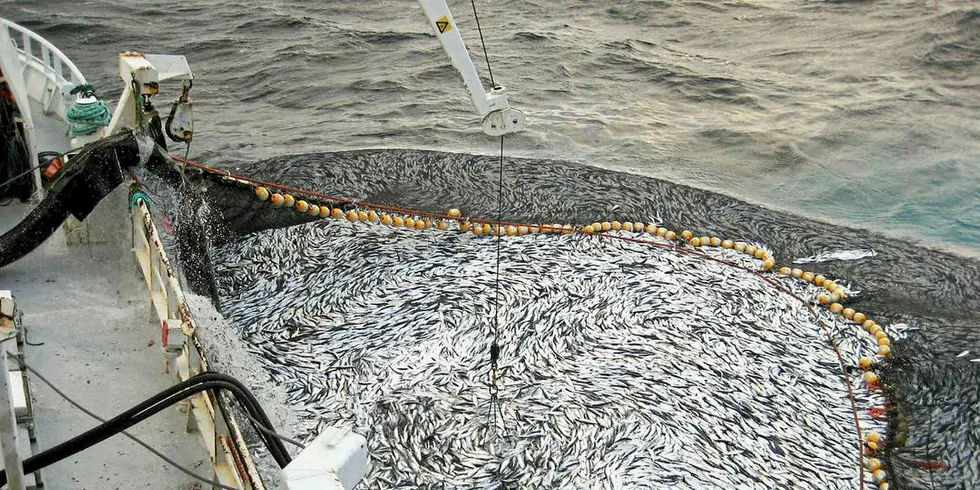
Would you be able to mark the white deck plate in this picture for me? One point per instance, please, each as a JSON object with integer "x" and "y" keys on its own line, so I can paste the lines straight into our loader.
{"x": 17, "y": 390}
{"x": 50, "y": 132}
{"x": 170, "y": 66}
{"x": 10, "y": 215}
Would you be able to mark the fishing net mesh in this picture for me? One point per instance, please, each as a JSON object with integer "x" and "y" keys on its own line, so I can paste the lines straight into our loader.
{"x": 934, "y": 418}
{"x": 934, "y": 423}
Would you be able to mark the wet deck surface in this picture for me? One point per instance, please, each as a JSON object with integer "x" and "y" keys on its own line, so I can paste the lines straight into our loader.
{"x": 49, "y": 131}
{"x": 87, "y": 305}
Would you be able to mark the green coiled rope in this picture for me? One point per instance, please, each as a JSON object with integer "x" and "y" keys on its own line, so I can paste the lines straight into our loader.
{"x": 136, "y": 193}
{"x": 85, "y": 119}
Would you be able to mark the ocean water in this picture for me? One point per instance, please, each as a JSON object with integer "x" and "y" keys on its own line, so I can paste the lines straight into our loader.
{"x": 834, "y": 117}
{"x": 862, "y": 114}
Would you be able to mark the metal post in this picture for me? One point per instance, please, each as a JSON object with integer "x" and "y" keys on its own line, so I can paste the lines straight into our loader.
{"x": 8, "y": 428}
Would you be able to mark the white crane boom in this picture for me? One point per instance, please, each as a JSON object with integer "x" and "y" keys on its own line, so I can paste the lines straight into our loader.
{"x": 498, "y": 117}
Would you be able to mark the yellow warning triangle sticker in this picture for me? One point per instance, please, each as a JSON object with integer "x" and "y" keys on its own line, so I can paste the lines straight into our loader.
{"x": 443, "y": 24}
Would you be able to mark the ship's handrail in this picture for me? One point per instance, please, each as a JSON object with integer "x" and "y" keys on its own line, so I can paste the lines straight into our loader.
{"x": 52, "y": 63}
{"x": 186, "y": 356}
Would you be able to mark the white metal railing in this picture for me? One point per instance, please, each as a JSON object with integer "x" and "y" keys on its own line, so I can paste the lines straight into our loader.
{"x": 8, "y": 410}
{"x": 44, "y": 59}
{"x": 207, "y": 413}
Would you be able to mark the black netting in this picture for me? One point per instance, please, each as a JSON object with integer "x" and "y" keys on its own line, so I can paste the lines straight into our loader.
{"x": 16, "y": 181}
{"x": 934, "y": 436}
{"x": 934, "y": 428}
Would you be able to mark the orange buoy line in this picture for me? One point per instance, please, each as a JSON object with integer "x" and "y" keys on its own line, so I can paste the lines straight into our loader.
{"x": 832, "y": 297}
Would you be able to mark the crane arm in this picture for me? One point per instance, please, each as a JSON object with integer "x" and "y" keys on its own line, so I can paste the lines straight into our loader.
{"x": 498, "y": 117}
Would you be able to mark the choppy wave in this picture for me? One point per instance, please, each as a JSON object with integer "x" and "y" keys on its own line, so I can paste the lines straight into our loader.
{"x": 834, "y": 110}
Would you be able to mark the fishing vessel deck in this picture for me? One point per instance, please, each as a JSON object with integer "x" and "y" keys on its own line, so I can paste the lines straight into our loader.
{"x": 88, "y": 321}
{"x": 89, "y": 318}
{"x": 115, "y": 329}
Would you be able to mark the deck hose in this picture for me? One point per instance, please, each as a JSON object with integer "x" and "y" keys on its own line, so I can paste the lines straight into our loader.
{"x": 168, "y": 397}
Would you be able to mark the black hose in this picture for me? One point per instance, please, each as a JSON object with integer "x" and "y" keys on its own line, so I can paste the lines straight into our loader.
{"x": 244, "y": 396}
{"x": 252, "y": 407}
{"x": 149, "y": 407}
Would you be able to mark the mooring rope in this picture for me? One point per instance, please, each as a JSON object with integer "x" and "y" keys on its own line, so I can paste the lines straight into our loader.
{"x": 86, "y": 119}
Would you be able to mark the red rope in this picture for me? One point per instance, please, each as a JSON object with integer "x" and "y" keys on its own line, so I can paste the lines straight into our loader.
{"x": 396, "y": 209}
